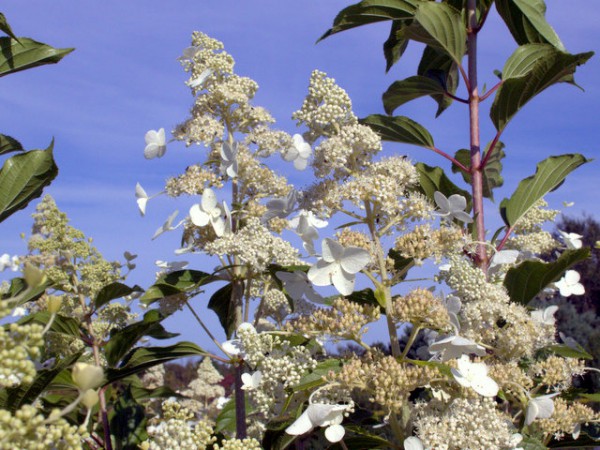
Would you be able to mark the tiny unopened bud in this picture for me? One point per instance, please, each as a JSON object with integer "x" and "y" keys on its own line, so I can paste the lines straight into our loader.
{"x": 87, "y": 376}
{"x": 145, "y": 445}
{"x": 54, "y": 304}
{"x": 33, "y": 276}
{"x": 90, "y": 398}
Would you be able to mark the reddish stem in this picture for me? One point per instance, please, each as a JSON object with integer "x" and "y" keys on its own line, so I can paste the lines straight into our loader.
{"x": 450, "y": 158}
{"x": 490, "y": 150}
{"x": 491, "y": 91}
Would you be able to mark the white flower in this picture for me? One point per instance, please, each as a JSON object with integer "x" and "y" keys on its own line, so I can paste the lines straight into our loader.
{"x": 413, "y": 443}
{"x": 571, "y": 240}
{"x": 339, "y": 266}
{"x": 299, "y": 152}
{"x": 504, "y": 257}
{"x": 540, "y": 407}
{"x": 569, "y": 284}
{"x": 453, "y": 207}
{"x": 171, "y": 266}
{"x": 475, "y": 376}
{"x": 142, "y": 198}
{"x": 281, "y": 206}
{"x": 167, "y": 226}
{"x": 320, "y": 415}
{"x": 200, "y": 79}
{"x": 251, "y": 382}
{"x": 297, "y": 284}
{"x": 221, "y": 402}
{"x": 453, "y": 306}
{"x": 156, "y": 144}
{"x": 233, "y": 347}
{"x": 7, "y": 262}
{"x": 456, "y": 346}
{"x": 229, "y": 163}
{"x": 305, "y": 224}
{"x": 19, "y": 311}
{"x": 208, "y": 211}
{"x": 545, "y": 316}
{"x": 188, "y": 54}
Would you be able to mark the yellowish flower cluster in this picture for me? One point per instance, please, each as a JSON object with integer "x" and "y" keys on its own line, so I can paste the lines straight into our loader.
{"x": 566, "y": 418}
{"x": 558, "y": 372}
{"x": 19, "y": 344}
{"x": 421, "y": 308}
{"x": 192, "y": 182}
{"x": 238, "y": 444}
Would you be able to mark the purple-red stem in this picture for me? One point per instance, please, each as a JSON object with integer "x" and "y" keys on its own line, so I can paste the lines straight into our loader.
{"x": 450, "y": 158}
{"x": 490, "y": 150}
{"x": 476, "y": 167}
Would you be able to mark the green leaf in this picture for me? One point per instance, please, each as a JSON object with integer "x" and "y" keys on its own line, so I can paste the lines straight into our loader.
{"x": 401, "y": 263}
{"x": 25, "y": 394}
{"x": 396, "y": 44}
{"x": 4, "y": 26}
{"x": 317, "y": 376}
{"x": 550, "y": 173}
{"x": 18, "y": 286}
{"x": 591, "y": 397}
{"x": 113, "y": 291}
{"x": 527, "y": 73}
{"x": 526, "y": 21}
{"x": 439, "y": 66}
{"x": 569, "y": 352}
{"x": 143, "y": 358}
{"x": 61, "y": 324}
{"x": 363, "y": 439}
{"x": 124, "y": 339}
{"x": 530, "y": 443}
{"x": 127, "y": 422}
{"x": 371, "y": 11}
{"x": 23, "y": 177}
{"x": 492, "y": 177}
{"x": 9, "y": 144}
{"x": 221, "y": 303}
{"x": 399, "y": 129}
{"x": 175, "y": 283}
{"x": 434, "y": 179}
{"x": 27, "y": 53}
{"x": 441, "y": 26}
{"x": 365, "y": 296}
{"x": 380, "y": 297}
{"x": 403, "y": 91}
{"x": 529, "y": 278}
{"x": 443, "y": 368}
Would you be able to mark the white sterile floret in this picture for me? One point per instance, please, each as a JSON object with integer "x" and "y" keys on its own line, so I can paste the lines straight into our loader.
{"x": 320, "y": 415}
{"x": 167, "y": 226}
{"x": 156, "y": 144}
{"x": 7, "y": 262}
{"x": 200, "y": 79}
{"x": 305, "y": 224}
{"x": 453, "y": 347}
{"x": 280, "y": 207}
{"x": 545, "y": 316}
{"x": 299, "y": 152}
{"x": 413, "y": 443}
{"x": 453, "y": 306}
{"x": 540, "y": 407}
{"x": 452, "y": 207}
{"x": 229, "y": 164}
{"x": 171, "y": 266}
{"x": 571, "y": 240}
{"x": 296, "y": 284}
{"x": 569, "y": 284}
{"x": 475, "y": 376}
{"x": 233, "y": 347}
{"x": 504, "y": 257}
{"x": 338, "y": 266}
{"x": 208, "y": 211}
{"x": 142, "y": 198}
{"x": 251, "y": 382}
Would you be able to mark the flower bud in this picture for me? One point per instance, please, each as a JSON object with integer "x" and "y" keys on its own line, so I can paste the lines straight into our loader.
{"x": 90, "y": 398}
{"x": 87, "y": 376}
{"x": 33, "y": 276}
{"x": 54, "y": 304}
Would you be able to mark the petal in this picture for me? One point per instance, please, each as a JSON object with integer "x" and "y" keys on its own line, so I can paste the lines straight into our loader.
{"x": 460, "y": 379}
{"x": 343, "y": 281}
{"x": 232, "y": 170}
{"x": 140, "y": 192}
{"x": 457, "y": 203}
{"x": 301, "y": 425}
{"x": 413, "y": 443}
{"x": 531, "y": 413}
{"x": 209, "y": 200}
{"x": 291, "y": 154}
{"x": 151, "y": 137}
{"x": 247, "y": 381}
{"x": 486, "y": 387}
{"x": 151, "y": 151}
{"x": 577, "y": 289}
{"x": 320, "y": 273}
{"x": 141, "y": 202}
{"x": 441, "y": 201}
{"x": 354, "y": 259}
{"x": 545, "y": 406}
{"x": 300, "y": 163}
{"x": 198, "y": 217}
{"x": 462, "y": 216}
{"x": 572, "y": 277}
{"x": 160, "y": 137}
{"x": 334, "y": 433}
{"x": 332, "y": 250}
{"x": 323, "y": 413}
{"x": 218, "y": 225}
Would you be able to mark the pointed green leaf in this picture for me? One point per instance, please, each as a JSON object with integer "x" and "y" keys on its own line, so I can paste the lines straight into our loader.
{"x": 549, "y": 174}
{"x": 527, "y": 73}
{"x": 492, "y": 177}
{"x": 4, "y": 26}
{"x": 396, "y": 44}
{"x": 409, "y": 89}
{"x": 317, "y": 376}
{"x": 18, "y": 286}
{"x": 175, "y": 283}
{"x": 25, "y": 394}
{"x": 530, "y": 443}
{"x": 27, "y": 53}
{"x": 124, "y": 339}
{"x": 526, "y": 21}
{"x": 113, "y": 291}
{"x": 142, "y": 358}
{"x": 434, "y": 179}
{"x": 223, "y": 306}
{"x": 528, "y": 279}
{"x": 569, "y": 352}
{"x": 440, "y": 67}
{"x": 371, "y": 11}
{"x": 365, "y": 297}
{"x": 61, "y": 324}
{"x": 441, "y": 26}
{"x": 23, "y": 177}
{"x": 9, "y": 144}
{"x": 399, "y": 129}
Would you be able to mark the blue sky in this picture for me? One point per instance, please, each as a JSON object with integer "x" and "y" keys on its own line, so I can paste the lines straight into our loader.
{"x": 123, "y": 79}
